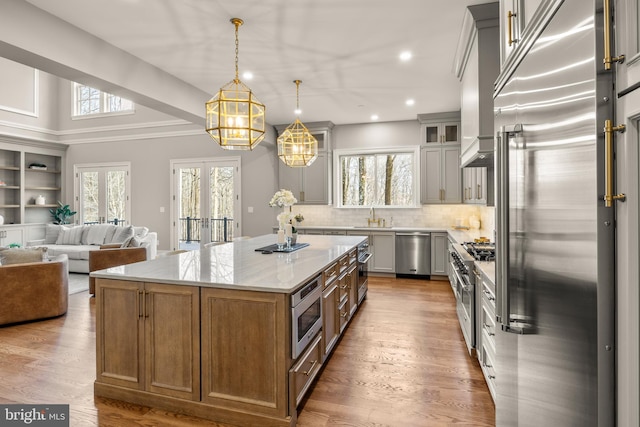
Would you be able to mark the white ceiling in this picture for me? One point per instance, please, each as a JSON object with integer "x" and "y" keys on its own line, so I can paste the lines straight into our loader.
{"x": 344, "y": 51}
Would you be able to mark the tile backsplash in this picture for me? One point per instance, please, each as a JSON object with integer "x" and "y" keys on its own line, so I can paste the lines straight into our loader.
{"x": 436, "y": 216}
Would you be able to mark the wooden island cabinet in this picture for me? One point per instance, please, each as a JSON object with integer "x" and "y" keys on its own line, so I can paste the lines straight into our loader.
{"x": 209, "y": 333}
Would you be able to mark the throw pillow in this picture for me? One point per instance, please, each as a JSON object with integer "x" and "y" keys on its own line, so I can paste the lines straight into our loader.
{"x": 135, "y": 242}
{"x": 21, "y": 256}
{"x": 51, "y": 233}
{"x": 127, "y": 243}
{"x": 70, "y": 236}
{"x": 95, "y": 234}
{"x": 140, "y": 231}
{"x": 108, "y": 238}
{"x": 122, "y": 234}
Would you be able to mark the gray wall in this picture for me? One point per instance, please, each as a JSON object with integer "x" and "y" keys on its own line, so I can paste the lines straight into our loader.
{"x": 151, "y": 177}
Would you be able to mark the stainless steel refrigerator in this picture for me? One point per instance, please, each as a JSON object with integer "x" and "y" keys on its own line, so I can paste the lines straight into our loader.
{"x": 555, "y": 344}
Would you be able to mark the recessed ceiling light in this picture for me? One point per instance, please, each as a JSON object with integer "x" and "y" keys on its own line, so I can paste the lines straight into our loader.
{"x": 374, "y": 117}
{"x": 247, "y": 75}
{"x": 405, "y": 56}
{"x": 410, "y": 102}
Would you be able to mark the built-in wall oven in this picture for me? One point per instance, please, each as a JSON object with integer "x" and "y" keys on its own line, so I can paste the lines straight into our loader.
{"x": 463, "y": 284}
{"x": 363, "y": 269}
{"x": 306, "y": 315}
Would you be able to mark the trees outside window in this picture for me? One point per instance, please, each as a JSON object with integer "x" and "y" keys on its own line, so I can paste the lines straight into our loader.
{"x": 378, "y": 179}
{"x": 88, "y": 101}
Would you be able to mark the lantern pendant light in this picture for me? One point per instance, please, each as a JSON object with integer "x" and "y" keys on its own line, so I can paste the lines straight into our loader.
{"x": 296, "y": 146}
{"x": 235, "y": 117}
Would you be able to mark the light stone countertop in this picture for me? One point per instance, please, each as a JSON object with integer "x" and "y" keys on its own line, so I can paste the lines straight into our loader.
{"x": 488, "y": 269}
{"x": 237, "y": 265}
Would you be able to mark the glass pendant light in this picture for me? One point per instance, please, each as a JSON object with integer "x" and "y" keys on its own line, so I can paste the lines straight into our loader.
{"x": 296, "y": 146}
{"x": 235, "y": 117}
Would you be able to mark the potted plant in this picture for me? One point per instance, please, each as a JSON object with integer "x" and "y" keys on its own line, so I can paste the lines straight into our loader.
{"x": 62, "y": 213}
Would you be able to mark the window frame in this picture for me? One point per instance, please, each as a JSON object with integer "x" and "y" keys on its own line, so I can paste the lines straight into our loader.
{"x": 414, "y": 151}
{"x": 104, "y": 97}
{"x": 101, "y": 168}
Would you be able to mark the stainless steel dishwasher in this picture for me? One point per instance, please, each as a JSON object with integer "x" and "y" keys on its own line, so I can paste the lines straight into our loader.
{"x": 413, "y": 253}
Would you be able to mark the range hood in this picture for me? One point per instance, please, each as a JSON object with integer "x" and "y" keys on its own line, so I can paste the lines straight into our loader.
{"x": 478, "y": 154}
{"x": 477, "y": 65}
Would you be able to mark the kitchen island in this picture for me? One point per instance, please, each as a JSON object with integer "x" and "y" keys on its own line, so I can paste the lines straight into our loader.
{"x": 209, "y": 333}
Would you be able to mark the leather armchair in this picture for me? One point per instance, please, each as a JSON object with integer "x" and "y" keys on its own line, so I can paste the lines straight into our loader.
{"x": 35, "y": 290}
{"x": 112, "y": 257}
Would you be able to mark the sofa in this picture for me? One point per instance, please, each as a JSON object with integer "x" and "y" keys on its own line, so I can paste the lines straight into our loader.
{"x": 33, "y": 290}
{"x": 78, "y": 241}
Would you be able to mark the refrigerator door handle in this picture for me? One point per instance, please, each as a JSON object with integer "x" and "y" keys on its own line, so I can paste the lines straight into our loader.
{"x": 510, "y": 321}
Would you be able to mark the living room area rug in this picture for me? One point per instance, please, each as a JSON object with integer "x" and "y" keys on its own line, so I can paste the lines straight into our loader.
{"x": 78, "y": 282}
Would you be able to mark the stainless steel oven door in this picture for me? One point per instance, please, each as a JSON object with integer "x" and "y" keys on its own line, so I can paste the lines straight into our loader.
{"x": 306, "y": 316}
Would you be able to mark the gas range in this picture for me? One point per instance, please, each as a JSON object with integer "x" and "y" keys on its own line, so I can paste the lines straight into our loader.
{"x": 481, "y": 251}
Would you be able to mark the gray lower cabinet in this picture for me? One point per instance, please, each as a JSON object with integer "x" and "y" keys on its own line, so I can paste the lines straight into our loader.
{"x": 486, "y": 329}
{"x": 439, "y": 254}
{"x": 382, "y": 246}
{"x": 440, "y": 175}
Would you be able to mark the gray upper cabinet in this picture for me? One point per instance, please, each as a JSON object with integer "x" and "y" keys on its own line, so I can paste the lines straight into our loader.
{"x": 475, "y": 188}
{"x": 440, "y": 175}
{"x": 311, "y": 185}
{"x": 515, "y": 16}
{"x": 439, "y": 129}
{"x": 512, "y": 22}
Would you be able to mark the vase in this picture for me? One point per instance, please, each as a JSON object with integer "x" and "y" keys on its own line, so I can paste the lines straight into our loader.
{"x": 294, "y": 238}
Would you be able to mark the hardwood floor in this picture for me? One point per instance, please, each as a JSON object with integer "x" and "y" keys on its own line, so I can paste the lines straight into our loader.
{"x": 401, "y": 362}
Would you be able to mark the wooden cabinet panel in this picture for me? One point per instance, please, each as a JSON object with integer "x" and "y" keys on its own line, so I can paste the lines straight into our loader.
{"x": 119, "y": 333}
{"x": 330, "y": 321}
{"x": 304, "y": 372}
{"x": 139, "y": 348}
{"x": 352, "y": 276}
{"x": 172, "y": 348}
{"x": 244, "y": 350}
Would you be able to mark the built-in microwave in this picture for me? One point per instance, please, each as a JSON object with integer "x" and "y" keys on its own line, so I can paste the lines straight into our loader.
{"x": 306, "y": 315}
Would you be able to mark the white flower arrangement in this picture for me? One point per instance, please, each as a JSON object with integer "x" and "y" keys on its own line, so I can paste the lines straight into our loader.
{"x": 284, "y": 218}
{"x": 283, "y": 198}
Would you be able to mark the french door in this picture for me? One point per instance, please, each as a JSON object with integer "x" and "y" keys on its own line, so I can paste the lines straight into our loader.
{"x": 101, "y": 193}
{"x": 206, "y": 201}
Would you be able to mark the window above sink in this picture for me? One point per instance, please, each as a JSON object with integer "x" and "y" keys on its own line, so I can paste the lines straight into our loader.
{"x": 377, "y": 178}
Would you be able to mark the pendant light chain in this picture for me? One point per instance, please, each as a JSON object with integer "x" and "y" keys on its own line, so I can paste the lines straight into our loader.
{"x": 297, "y": 82}
{"x": 237, "y": 23}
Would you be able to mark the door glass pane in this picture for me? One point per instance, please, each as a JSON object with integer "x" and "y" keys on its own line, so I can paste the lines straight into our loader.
{"x": 432, "y": 134}
{"x": 116, "y": 197}
{"x": 90, "y": 193}
{"x": 189, "y": 207}
{"x": 451, "y": 133}
{"x": 222, "y": 197}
